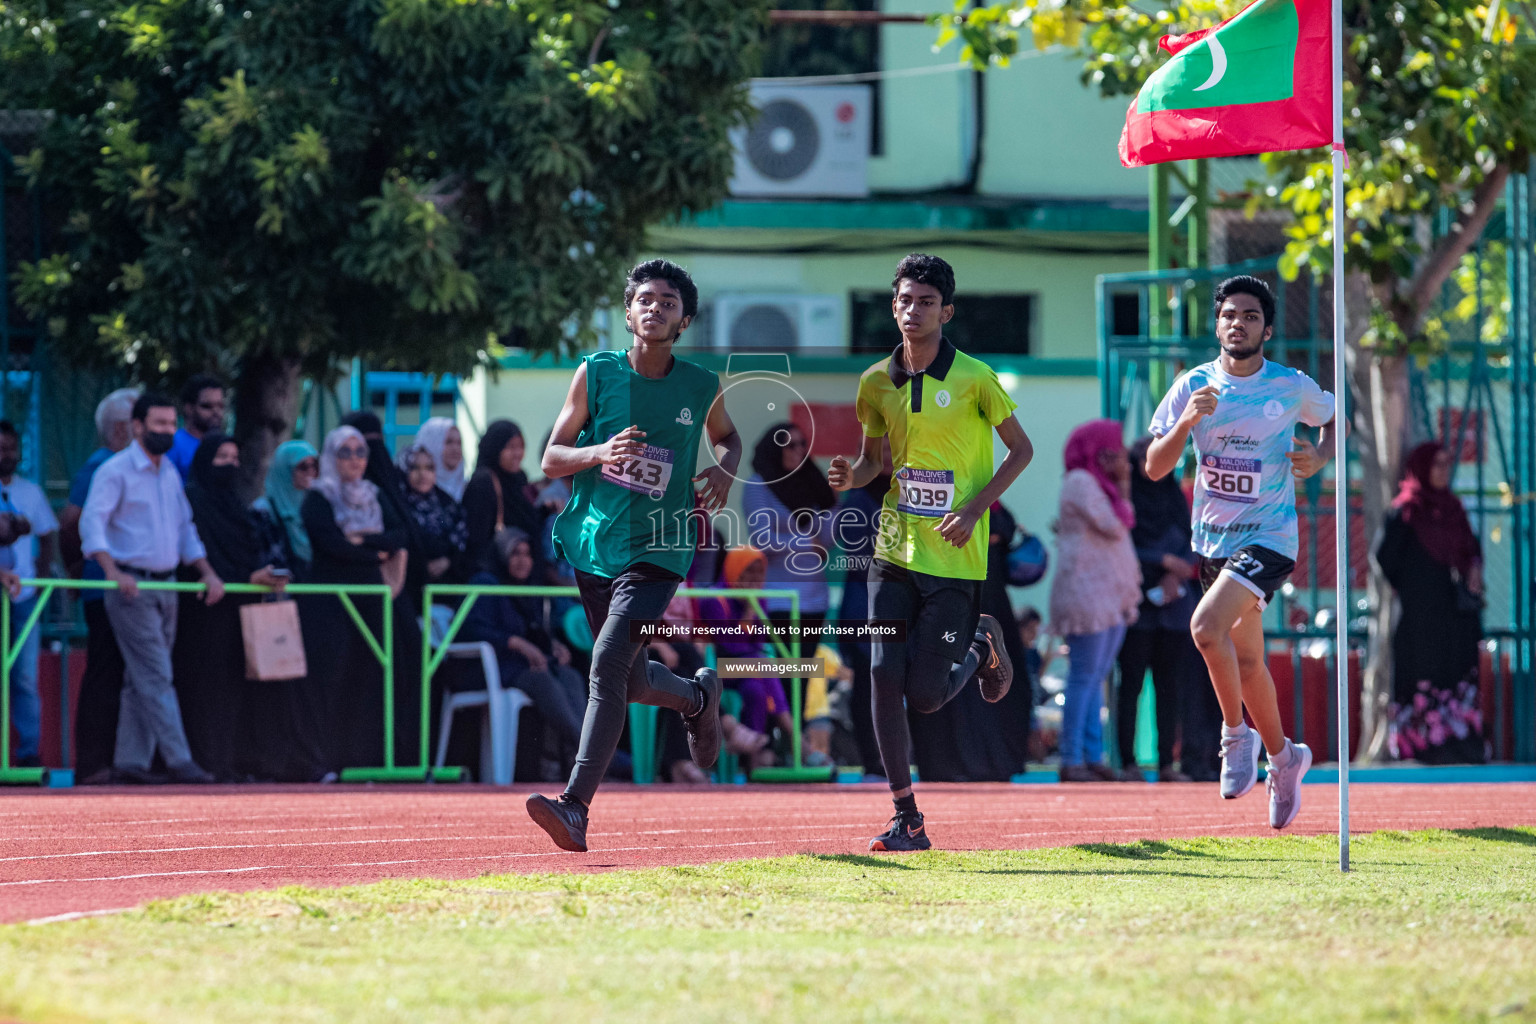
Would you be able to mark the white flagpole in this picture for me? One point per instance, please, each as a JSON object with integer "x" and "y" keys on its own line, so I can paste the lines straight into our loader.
{"x": 1340, "y": 449}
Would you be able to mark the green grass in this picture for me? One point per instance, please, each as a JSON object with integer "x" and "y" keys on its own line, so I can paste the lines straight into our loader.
{"x": 1429, "y": 926}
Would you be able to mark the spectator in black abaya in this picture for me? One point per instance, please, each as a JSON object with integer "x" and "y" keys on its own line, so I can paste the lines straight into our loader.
{"x": 498, "y": 496}
{"x": 352, "y": 532}
{"x": 854, "y": 527}
{"x": 1160, "y": 640}
{"x": 1013, "y": 716}
{"x": 1433, "y": 560}
{"x": 439, "y": 536}
{"x": 219, "y": 708}
{"x": 406, "y": 608}
{"x": 382, "y": 471}
{"x": 294, "y": 467}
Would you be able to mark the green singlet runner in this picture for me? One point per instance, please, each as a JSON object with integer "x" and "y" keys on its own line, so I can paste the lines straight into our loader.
{"x": 629, "y": 433}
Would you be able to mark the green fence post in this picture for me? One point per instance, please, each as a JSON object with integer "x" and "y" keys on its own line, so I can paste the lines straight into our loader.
{"x": 5, "y": 689}
{"x": 426, "y": 676}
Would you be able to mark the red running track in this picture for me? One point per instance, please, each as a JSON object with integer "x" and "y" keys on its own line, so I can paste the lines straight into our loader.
{"x": 66, "y": 854}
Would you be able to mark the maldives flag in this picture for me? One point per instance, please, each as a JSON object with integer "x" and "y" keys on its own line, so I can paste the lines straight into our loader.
{"x": 1259, "y": 82}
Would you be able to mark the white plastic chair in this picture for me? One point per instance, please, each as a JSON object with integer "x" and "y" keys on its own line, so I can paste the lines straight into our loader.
{"x": 498, "y": 728}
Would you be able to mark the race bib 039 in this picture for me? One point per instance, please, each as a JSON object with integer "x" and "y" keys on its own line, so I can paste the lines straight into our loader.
{"x": 1232, "y": 479}
{"x": 925, "y": 492}
{"x": 649, "y": 472}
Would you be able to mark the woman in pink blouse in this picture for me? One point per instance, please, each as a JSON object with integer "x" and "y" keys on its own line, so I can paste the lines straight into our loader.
{"x": 1096, "y": 589}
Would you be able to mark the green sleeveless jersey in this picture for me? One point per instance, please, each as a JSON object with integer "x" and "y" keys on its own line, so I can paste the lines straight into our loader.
{"x": 637, "y": 510}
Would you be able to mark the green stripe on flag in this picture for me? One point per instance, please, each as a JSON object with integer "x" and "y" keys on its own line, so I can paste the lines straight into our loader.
{"x": 1251, "y": 59}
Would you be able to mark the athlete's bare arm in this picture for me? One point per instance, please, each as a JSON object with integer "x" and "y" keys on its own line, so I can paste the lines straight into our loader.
{"x": 563, "y": 458}
{"x": 843, "y": 476}
{"x": 956, "y": 527}
{"x": 727, "y": 445}
{"x": 1308, "y": 459}
{"x": 1163, "y": 453}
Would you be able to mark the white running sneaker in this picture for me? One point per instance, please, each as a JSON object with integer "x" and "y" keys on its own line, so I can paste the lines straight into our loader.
{"x": 1239, "y": 763}
{"x": 1284, "y": 785}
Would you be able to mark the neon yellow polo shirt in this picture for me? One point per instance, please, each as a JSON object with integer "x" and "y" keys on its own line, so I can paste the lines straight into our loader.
{"x": 940, "y": 422}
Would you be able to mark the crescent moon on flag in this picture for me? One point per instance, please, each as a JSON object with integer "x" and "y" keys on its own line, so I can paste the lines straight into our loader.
{"x": 1218, "y": 63}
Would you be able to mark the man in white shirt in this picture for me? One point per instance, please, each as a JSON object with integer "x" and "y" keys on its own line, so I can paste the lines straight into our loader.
{"x": 137, "y": 525}
{"x": 35, "y": 527}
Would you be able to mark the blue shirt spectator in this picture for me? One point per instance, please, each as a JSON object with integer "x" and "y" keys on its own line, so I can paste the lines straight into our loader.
{"x": 202, "y": 413}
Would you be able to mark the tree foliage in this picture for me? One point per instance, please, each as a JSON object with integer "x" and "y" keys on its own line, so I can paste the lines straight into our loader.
{"x": 414, "y": 181}
{"x": 1439, "y": 96}
{"x": 1438, "y": 104}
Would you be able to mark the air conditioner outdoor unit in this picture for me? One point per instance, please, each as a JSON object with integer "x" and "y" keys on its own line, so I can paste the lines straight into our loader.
{"x": 776, "y": 323}
{"x": 807, "y": 140}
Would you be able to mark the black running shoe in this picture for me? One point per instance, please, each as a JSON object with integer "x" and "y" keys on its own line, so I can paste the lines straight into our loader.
{"x": 564, "y": 819}
{"x": 704, "y": 727}
{"x": 995, "y": 671}
{"x": 905, "y": 832}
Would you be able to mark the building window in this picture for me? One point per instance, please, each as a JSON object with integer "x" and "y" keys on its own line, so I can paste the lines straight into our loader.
{"x": 1125, "y": 314}
{"x": 800, "y": 51}
{"x": 995, "y": 324}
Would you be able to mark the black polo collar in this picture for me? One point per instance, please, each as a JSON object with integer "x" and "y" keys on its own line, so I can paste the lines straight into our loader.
{"x": 937, "y": 369}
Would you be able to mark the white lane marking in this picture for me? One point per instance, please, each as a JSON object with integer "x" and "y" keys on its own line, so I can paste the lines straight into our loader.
{"x": 388, "y": 863}
{"x": 76, "y": 915}
{"x": 145, "y": 874}
{"x": 260, "y": 846}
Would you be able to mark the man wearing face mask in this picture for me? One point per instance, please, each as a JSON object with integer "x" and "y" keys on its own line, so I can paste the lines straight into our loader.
{"x": 34, "y": 527}
{"x": 138, "y": 526}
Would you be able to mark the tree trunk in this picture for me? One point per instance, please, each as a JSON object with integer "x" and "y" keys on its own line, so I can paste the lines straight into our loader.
{"x": 1380, "y": 424}
{"x": 267, "y": 397}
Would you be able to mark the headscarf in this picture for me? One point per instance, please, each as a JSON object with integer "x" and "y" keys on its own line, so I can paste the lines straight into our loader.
{"x": 1436, "y": 515}
{"x": 803, "y": 488}
{"x": 381, "y": 470}
{"x": 1159, "y": 504}
{"x": 506, "y": 541}
{"x": 516, "y": 509}
{"x": 739, "y": 560}
{"x": 1082, "y": 452}
{"x": 433, "y": 514}
{"x": 284, "y": 500}
{"x": 355, "y": 504}
{"x": 222, "y": 519}
{"x": 432, "y": 436}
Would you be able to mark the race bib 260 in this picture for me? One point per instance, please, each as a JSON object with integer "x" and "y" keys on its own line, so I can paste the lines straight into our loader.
{"x": 1232, "y": 479}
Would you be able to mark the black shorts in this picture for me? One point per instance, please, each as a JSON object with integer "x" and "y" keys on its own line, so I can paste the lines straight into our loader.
{"x": 940, "y": 613}
{"x": 1259, "y": 569}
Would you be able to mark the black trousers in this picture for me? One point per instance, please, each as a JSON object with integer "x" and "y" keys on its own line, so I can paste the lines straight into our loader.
{"x": 1171, "y": 655}
{"x": 933, "y": 664}
{"x": 101, "y": 694}
{"x": 621, "y": 671}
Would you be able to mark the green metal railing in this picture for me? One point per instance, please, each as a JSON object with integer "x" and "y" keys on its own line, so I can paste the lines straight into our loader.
{"x": 432, "y": 659}
{"x": 382, "y": 648}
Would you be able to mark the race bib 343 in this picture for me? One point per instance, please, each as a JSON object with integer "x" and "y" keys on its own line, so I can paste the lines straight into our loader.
{"x": 649, "y": 472}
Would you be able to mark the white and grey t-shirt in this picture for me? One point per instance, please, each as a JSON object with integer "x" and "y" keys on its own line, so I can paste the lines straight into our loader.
{"x": 1244, "y": 492}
